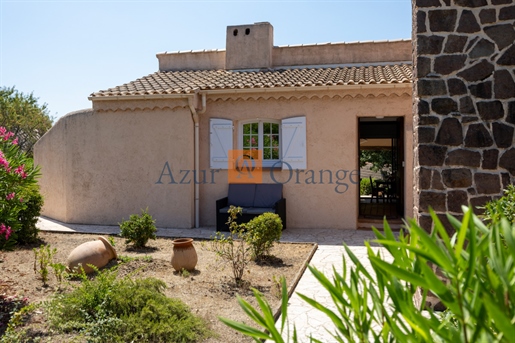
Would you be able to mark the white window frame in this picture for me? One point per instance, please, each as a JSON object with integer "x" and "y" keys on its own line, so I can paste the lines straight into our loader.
{"x": 260, "y": 121}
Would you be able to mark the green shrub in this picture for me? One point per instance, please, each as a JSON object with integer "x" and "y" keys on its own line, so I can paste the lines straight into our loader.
{"x": 138, "y": 229}
{"x": 28, "y": 217}
{"x": 232, "y": 247}
{"x": 473, "y": 277}
{"x": 107, "y": 309}
{"x": 262, "y": 232}
{"x": 365, "y": 188}
{"x": 502, "y": 207}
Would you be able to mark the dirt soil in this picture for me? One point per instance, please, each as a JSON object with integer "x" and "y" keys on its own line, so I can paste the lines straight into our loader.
{"x": 209, "y": 290}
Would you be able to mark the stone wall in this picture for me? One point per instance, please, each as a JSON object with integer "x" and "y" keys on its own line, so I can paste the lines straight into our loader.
{"x": 464, "y": 103}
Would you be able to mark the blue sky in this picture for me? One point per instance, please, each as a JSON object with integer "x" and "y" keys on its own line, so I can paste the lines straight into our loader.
{"x": 62, "y": 51}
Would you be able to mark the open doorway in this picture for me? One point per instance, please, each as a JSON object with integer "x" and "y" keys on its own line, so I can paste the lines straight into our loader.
{"x": 381, "y": 162}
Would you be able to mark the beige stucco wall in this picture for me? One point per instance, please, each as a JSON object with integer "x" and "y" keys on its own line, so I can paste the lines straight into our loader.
{"x": 295, "y": 55}
{"x": 332, "y": 144}
{"x": 100, "y": 167}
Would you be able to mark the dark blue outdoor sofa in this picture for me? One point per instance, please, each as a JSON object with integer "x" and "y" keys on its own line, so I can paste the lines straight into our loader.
{"x": 254, "y": 199}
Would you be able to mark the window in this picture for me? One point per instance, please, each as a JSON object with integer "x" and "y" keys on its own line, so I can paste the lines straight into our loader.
{"x": 278, "y": 141}
{"x": 264, "y": 137}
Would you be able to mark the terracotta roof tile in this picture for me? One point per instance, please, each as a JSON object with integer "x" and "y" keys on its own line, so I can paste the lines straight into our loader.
{"x": 185, "y": 82}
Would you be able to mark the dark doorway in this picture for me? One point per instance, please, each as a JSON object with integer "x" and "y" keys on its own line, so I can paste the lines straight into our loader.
{"x": 381, "y": 162}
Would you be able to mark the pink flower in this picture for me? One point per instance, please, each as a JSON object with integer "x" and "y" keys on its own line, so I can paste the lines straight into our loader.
{"x": 15, "y": 141}
{"x": 6, "y": 230}
{"x": 21, "y": 171}
{"x": 10, "y": 196}
{"x": 3, "y": 161}
{"x": 2, "y": 130}
{"x": 8, "y": 135}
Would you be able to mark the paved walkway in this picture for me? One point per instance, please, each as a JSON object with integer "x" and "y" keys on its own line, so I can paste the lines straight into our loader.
{"x": 306, "y": 319}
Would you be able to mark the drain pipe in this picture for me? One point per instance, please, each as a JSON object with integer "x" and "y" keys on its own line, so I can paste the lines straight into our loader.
{"x": 195, "y": 116}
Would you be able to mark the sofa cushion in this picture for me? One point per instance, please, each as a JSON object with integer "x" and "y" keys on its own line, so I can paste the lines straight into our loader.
{"x": 226, "y": 209}
{"x": 241, "y": 194}
{"x": 267, "y": 194}
{"x": 259, "y": 210}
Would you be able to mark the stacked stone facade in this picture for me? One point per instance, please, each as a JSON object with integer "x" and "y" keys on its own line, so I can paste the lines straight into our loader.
{"x": 464, "y": 103}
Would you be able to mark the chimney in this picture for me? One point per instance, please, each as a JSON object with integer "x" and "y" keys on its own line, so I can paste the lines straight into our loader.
{"x": 249, "y": 46}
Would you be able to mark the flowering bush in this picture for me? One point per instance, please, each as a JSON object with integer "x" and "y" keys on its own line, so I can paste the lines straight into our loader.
{"x": 17, "y": 184}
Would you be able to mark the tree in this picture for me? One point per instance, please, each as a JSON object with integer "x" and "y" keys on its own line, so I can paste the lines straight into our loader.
{"x": 22, "y": 115}
{"x": 381, "y": 160}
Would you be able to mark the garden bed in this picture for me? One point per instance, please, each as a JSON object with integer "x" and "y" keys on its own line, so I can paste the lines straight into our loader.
{"x": 209, "y": 290}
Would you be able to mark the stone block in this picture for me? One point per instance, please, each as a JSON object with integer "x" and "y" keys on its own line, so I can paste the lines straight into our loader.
{"x": 431, "y": 155}
{"x": 426, "y": 134}
{"x": 423, "y": 107}
{"x": 436, "y": 181}
{"x": 448, "y": 64}
{"x": 450, "y": 133}
{"x": 501, "y": 2}
{"x": 482, "y": 90}
{"x": 490, "y": 110}
{"x": 456, "y": 87}
{"x": 421, "y": 22}
{"x": 487, "y": 183}
{"x": 508, "y": 57}
{"x": 457, "y": 178}
{"x": 467, "y": 105}
{"x": 431, "y": 87}
{"x": 504, "y": 85}
{"x": 463, "y": 157}
{"x": 429, "y": 45}
{"x": 456, "y": 199}
{"x": 468, "y": 22}
{"x": 455, "y": 44}
{"x": 478, "y": 137}
{"x": 428, "y": 3}
{"x": 503, "y": 34}
{"x": 483, "y": 48}
{"x": 470, "y": 3}
{"x": 429, "y": 120}
{"x": 477, "y": 72}
{"x": 442, "y": 20}
{"x": 478, "y": 202}
{"x": 444, "y": 105}
{"x": 423, "y": 66}
{"x": 471, "y": 191}
{"x": 507, "y": 13}
{"x": 469, "y": 119}
{"x": 435, "y": 200}
{"x": 505, "y": 180}
{"x": 490, "y": 158}
{"x": 424, "y": 178}
{"x": 507, "y": 161}
{"x": 425, "y": 222}
{"x": 510, "y": 118}
{"x": 487, "y": 16}
{"x": 503, "y": 135}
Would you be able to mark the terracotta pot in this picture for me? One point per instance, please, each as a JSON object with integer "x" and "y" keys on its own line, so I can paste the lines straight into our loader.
{"x": 184, "y": 255}
{"x": 97, "y": 253}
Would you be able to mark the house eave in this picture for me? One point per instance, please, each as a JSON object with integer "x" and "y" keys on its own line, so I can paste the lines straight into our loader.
{"x": 405, "y": 85}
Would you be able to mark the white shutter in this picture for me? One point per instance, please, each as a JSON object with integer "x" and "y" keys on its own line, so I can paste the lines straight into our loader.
{"x": 220, "y": 141}
{"x": 294, "y": 143}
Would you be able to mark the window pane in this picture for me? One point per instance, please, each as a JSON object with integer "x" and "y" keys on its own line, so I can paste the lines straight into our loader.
{"x": 266, "y": 128}
{"x": 275, "y": 140}
{"x": 267, "y": 155}
{"x": 246, "y": 129}
{"x": 246, "y": 141}
{"x": 254, "y": 141}
{"x": 267, "y": 141}
{"x": 275, "y": 153}
{"x": 255, "y": 128}
{"x": 275, "y": 128}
